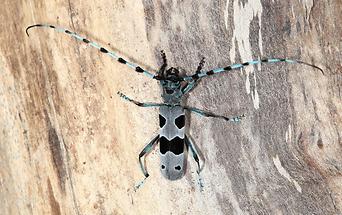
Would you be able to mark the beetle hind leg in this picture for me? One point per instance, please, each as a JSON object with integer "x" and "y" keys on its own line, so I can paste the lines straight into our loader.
{"x": 147, "y": 149}
{"x": 190, "y": 145}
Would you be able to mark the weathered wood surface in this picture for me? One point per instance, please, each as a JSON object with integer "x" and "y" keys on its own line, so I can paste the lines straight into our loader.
{"x": 69, "y": 145}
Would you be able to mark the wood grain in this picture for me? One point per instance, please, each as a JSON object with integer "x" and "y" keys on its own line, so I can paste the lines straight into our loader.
{"x": 69, "y": 144}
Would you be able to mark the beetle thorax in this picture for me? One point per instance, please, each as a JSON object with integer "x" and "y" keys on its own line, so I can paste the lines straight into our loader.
{"x": 171, "y": 91}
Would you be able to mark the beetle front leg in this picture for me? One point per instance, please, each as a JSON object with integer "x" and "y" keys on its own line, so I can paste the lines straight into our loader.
{"x": 161, "y": 71}
{"x": 191, "y": 84}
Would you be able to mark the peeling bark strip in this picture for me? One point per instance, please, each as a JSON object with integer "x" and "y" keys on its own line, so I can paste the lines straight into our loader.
{"x": 57, "y": 153}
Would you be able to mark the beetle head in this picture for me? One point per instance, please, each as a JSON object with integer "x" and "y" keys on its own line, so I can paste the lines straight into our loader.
{"x": 172, "y": 82}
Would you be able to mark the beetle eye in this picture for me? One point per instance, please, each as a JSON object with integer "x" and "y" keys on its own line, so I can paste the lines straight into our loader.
{"x": 178, "y": 168}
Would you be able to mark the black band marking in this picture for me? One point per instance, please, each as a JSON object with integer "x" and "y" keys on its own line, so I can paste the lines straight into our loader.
{"x": 139, "y": 104}
{"x": 139, "y": 69}
{"x": 227, "y": 68}
{"x": 211, "y": 72}
{"x": 103, "y": 50}
{"x": 195, "y": 76}
{"x": 176, "y": 145}
{"x": 121, "y": 60}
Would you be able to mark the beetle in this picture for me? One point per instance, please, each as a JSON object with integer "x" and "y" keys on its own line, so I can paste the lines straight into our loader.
{"x": 172, "y": 137}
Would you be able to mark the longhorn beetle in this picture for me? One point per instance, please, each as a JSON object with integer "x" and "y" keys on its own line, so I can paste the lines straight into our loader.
{"x": 173, "y": 141}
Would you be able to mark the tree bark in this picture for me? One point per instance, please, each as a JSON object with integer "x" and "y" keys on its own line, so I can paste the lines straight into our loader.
{"x": 70, "y": 145}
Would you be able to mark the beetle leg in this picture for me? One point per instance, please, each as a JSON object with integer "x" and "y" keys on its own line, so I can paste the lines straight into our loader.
{"x": 191, "y": 84}
{"x": 200, "y": 66}
{"x": 190, "y": 145}
{"x": 147, "y": 149}
{"x": 163, "y": 67}
{"x": 193, "y": 151}
{"x": 210, "y": 114}
{"x": 144, "y": 104}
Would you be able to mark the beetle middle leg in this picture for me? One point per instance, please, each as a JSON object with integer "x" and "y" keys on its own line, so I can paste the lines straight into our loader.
{"x": 142, "y": 104}
{"x": 210, "y": 114}
{"x": 191, "y": 109}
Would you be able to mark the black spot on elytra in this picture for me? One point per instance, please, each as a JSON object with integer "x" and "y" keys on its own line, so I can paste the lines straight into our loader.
{"x": 162, "y": 121}
{"x": 180, "y": 121}
{"x": 264, "y": 60}
{"x": 162, "y": 166}
{"x": 178, "y": 168}
{"x": 86, "y": 41}
{"x": 103, "y": 50}
{"x": 51, "y": 26}
{"x": 67, "y": 31}
{"x": 245, "y": 64}
{"x": 176, "y": 145}
{"x": 121, "y": 60}
{"x": 139, "y": 69}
